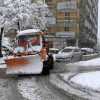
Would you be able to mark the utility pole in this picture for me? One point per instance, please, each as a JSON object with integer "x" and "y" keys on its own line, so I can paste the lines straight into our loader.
{"x": 2, "y": 30}
{"x": 18, "y": 25}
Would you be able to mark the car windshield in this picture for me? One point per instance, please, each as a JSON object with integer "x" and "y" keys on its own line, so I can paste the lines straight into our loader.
{"x": 67, "y": 50}
{"x": 24, "y": 40}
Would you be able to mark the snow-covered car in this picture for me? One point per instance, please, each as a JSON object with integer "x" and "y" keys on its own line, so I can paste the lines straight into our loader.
{"x": 69, "y": 54}
{"x": 86, "y": 51}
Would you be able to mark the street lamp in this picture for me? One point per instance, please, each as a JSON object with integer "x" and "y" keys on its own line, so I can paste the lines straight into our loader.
{"x": 2, "y": 30}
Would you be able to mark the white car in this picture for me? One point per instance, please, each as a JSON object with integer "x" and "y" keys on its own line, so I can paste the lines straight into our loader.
{"x": 86, "y": 51}
{"x": 69, "y": 54}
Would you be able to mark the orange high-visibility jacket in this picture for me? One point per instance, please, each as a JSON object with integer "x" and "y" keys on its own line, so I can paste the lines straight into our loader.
{"x": 43, "y": 53}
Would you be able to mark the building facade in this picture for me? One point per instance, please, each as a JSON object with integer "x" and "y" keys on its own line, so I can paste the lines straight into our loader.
{"x": 88, "y": 22}
{"x": 75, "y": 21}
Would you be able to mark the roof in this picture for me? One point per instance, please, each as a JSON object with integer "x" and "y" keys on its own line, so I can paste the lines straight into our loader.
{"x": 71, "y": 47}
{"x": 53, "y": 49}
{"x": 28, "y": 32}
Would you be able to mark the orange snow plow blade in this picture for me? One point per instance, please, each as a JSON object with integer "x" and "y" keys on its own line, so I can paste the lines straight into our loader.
{"x": 30, "y": 64}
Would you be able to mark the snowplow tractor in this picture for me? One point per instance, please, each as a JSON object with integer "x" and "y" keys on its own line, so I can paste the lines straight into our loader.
{"x": 30, "y": 54}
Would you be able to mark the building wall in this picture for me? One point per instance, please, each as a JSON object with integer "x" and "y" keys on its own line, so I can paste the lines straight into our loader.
{"x": 66, "y": 14}
{"x": 88, "y": 23}
{"x": 74, "y": 16}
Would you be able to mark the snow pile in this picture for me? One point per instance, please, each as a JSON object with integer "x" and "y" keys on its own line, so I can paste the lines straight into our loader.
{"x": 89, "y": 79}
{"x": 93, "y": 62}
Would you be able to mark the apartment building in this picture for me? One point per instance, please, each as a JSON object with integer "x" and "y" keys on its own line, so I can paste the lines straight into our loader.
{"x": 73, "y": 22}
{"x": 88, "y": 22}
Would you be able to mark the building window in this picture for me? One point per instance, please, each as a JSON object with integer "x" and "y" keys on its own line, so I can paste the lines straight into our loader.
{"x": 71, "y": 15}
{"x": 66, "y": 29}
{"x": 67, "y": 13}
{"x": 67, "y": 5}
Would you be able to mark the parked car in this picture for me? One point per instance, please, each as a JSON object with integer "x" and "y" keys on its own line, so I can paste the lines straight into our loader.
{"x": 86, "y": 51}
{"x": 69, "y": 54}
{"x": 53, "y": 50}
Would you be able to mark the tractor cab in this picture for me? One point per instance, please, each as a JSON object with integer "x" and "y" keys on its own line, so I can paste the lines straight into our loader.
{"x": 29, "y": 41}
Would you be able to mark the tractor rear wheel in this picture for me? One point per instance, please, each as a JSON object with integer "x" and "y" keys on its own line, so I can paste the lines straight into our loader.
{"x": 50, "y": 62}
{"x": 46, "y": 70}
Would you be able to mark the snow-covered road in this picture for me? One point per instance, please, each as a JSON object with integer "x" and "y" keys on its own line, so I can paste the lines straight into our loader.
{"x": 8, "y": 90}
{"x": 4, "y": 89}
{"x": 39, "y": 88}
{"x": 29, "y": 88}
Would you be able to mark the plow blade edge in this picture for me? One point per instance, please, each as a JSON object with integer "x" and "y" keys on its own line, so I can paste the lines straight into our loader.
{"x": 30, "y": 64}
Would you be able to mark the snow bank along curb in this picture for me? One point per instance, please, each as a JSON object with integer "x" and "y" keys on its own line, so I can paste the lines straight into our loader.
{"x": 90, "y": 56}
{"x": 89, "y": 65}
{"x": 74, "y": 91}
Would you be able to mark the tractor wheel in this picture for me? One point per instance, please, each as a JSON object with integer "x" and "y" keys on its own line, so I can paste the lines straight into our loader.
{"x": 50, "y": 62}
{"x": 45, "y": 70}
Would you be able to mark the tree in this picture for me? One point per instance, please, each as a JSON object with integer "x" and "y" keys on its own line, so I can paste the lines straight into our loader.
{"x": 23, "y": 13}
{"x": 27, "y": 13}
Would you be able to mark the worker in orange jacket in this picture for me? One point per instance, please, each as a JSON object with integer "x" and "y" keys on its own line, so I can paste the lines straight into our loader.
{"x": 44, "y": 52}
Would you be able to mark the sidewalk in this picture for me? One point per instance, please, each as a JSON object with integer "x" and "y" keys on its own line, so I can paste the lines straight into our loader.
{"x": 82, "y": 66}
{"x": 73, "y": 91}
{"x": 76, "y": 91}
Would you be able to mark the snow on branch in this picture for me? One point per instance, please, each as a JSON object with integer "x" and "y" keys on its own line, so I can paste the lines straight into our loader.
{"x": 29, "y": 15}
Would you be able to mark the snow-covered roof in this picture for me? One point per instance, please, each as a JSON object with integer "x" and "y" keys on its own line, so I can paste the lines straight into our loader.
{"x": 87, "y": 49}
{"x": 71, "y": 47}
{"x": 54, "y": 49}
{"x": 28, "y": 32}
